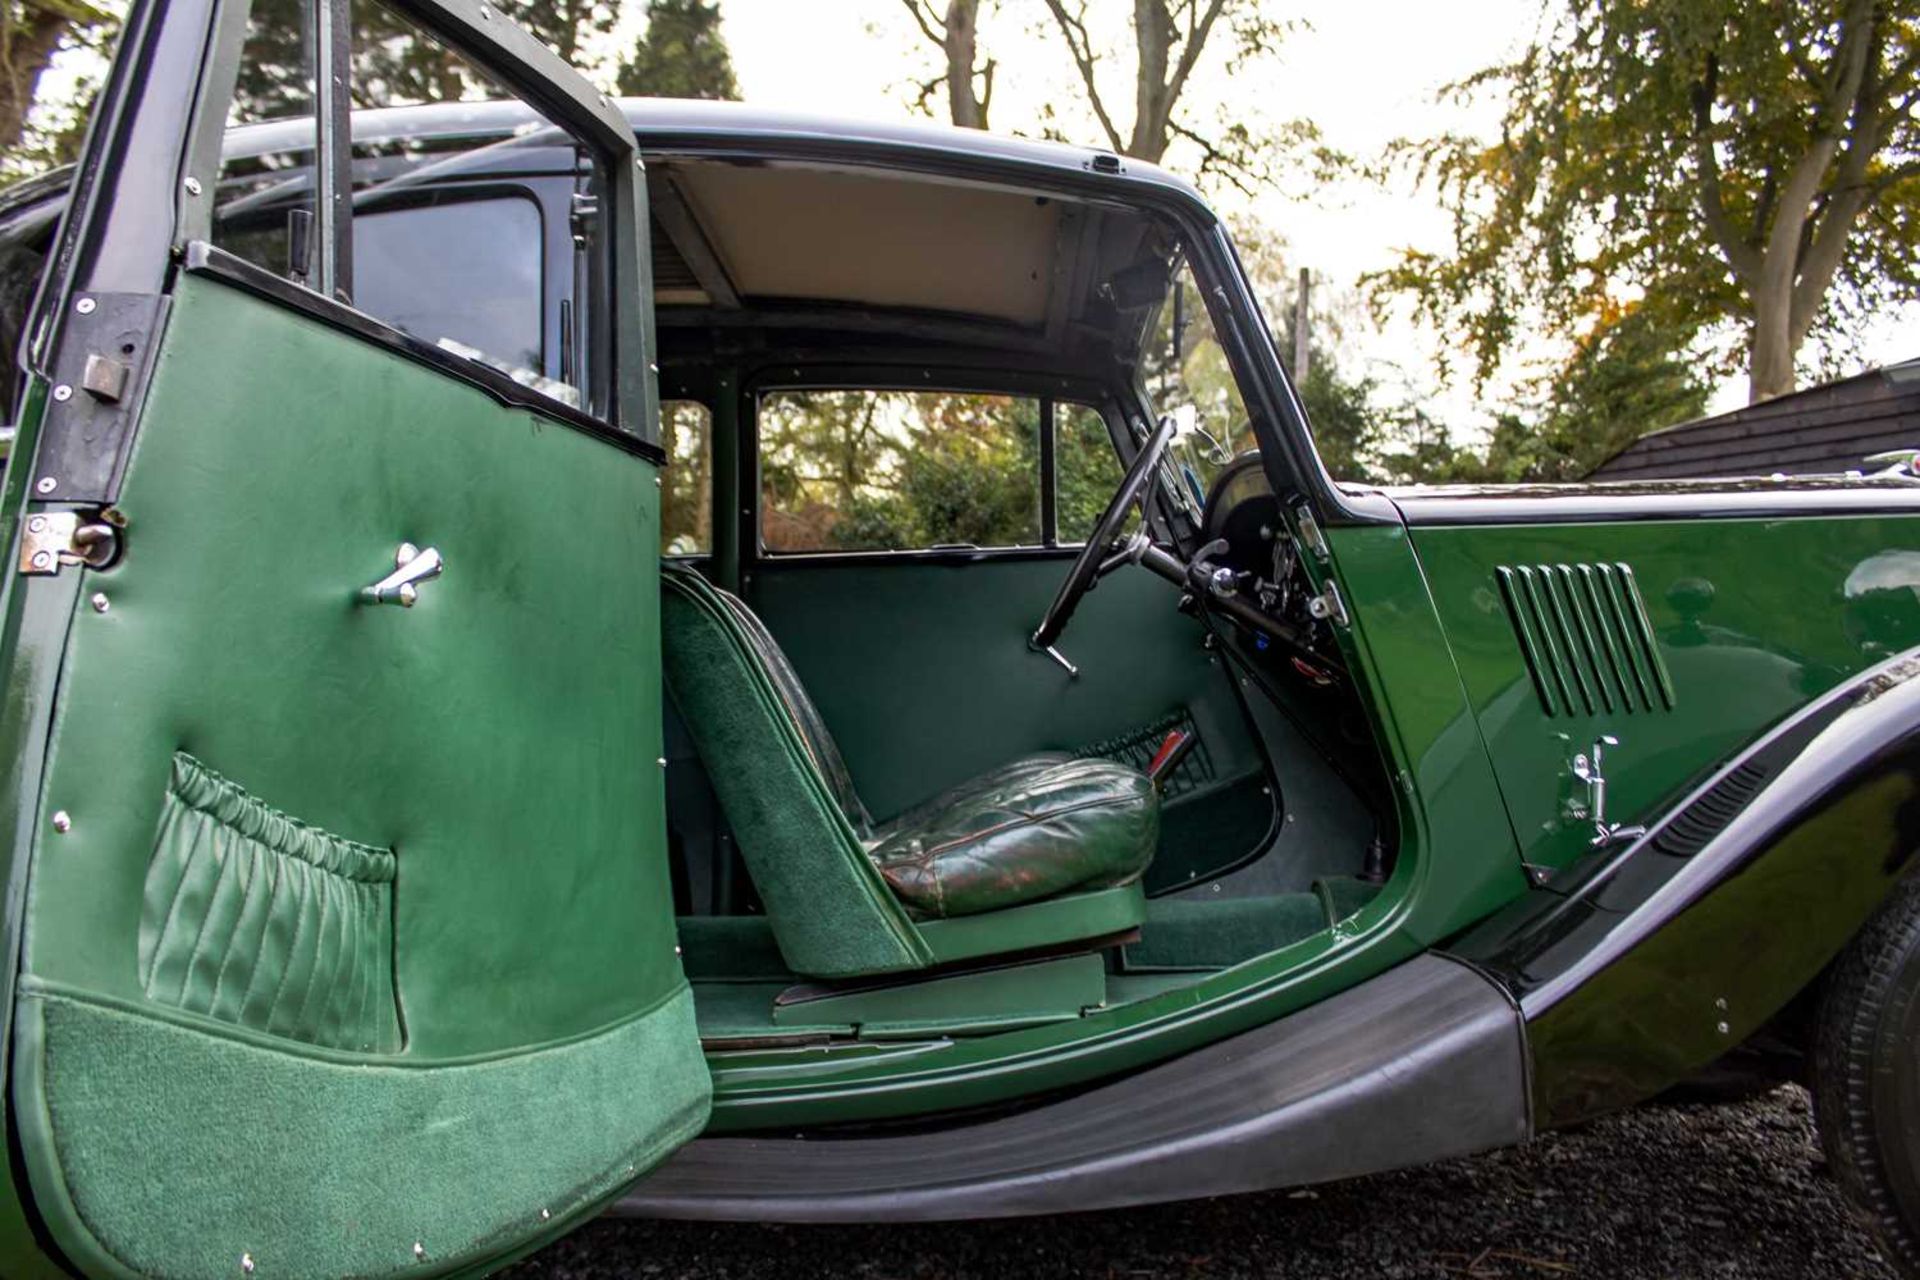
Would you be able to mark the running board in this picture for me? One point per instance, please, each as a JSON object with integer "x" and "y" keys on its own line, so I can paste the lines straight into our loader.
{"x": 1423, "y": 1062}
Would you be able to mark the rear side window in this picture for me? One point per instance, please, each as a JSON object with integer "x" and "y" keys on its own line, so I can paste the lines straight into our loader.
{"x": 414, "y": 268}
{"x": 898, "y": 470}
{"x": 474, "y": 229}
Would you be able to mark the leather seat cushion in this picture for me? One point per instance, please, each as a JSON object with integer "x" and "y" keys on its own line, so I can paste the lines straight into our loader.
{"x": 1040, "y": 826}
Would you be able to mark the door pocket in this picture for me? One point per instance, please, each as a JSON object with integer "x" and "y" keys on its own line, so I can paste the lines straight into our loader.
{"x": 258, "y": 919}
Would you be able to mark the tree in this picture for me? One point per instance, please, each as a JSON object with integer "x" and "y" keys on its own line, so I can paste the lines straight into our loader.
{"x": 394, "y": 63}
{"x": 1171, "y": 38}
{"x": 968, "y": 82}
{"x": 683, "y": 54}
{"x": 1620, "y": 382}
{"x": 1757, "y": 168}
{"x": 31, "y": 33}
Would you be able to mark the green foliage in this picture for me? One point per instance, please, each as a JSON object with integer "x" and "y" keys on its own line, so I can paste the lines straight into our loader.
{"x": 686, "y": 499}
{"x": 394, "y": 62}
{"x": 682, "y": 55}
{"x": 1620, "y": 383}
{"x": 1086, "y": 470}
{"x": 1345, "y": 420}
{"x": 36, "y": 136}
{"x": 869, "y": 471}
{"x": 1743, "y": 169}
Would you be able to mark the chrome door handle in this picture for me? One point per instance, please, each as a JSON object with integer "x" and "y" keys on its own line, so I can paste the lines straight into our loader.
{"x": 412, "y": 566}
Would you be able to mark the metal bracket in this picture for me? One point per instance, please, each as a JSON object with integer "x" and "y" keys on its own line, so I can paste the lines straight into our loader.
{"x": 1310, "y": 534}
{"x": 1589, "y": 768}
{"x": 101, "y": 361}
{"x": 54, "y": 538}
{"x": 1328, "y": 606}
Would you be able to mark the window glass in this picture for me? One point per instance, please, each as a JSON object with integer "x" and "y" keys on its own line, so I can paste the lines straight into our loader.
{"x": 898, "y": 470}
{"x": 1188, "y": 376}
{"x": 476, "y": 230}
{"x": 414, "y": 268}
{"x": 1086, "y": 469}
{"x": 686, "y": 517}
{"x": 268, "y": 187}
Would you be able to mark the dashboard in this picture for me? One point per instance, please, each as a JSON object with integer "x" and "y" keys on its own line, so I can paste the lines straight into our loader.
{"x": 1244, "y": 531}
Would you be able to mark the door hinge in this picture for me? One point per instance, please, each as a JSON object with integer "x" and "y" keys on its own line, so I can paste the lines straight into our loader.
{"x": 55, "y": 538}
{"x": 1328, "y": 606}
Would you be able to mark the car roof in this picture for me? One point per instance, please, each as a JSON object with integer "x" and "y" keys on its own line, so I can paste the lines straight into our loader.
{"x": 666, "y": 124}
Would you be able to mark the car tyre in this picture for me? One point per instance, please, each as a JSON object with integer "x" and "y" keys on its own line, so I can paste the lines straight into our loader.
{"x": 1866, "y": 1075}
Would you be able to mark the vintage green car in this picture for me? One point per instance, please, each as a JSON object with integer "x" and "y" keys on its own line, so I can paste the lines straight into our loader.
{"x": 540, "y": 683}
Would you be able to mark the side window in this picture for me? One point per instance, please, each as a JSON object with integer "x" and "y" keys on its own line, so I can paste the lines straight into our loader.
{"x": 473, "y": 230}
{"x": 686, "y": 516}
{"x": 1086, "y": 469}
{"x": 265, "y": 201}
{"x": 898, "y": 470}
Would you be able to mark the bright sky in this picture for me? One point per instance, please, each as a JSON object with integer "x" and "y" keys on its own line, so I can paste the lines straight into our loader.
{"x": 1365, "y": 70}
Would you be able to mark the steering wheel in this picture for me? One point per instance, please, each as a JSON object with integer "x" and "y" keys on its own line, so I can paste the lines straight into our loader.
{"x": 1103, "y": 554}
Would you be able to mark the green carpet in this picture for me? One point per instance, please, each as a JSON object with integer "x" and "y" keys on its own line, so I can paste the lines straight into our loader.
{"x": 182, "y": 1150}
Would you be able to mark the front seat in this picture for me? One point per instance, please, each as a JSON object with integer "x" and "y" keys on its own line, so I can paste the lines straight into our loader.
{"x": 1042, "y": 852}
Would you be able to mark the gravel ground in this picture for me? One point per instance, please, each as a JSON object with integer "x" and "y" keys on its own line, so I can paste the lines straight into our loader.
{"x": 1668, "y": 1192}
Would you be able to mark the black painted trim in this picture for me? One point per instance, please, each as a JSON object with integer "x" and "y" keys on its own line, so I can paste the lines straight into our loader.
{"x": 216, "y": 263}
{"x": 1049, "y": 474}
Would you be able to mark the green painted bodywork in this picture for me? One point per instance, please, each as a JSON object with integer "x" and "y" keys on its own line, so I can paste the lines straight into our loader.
{"x": 1752, "y": 617}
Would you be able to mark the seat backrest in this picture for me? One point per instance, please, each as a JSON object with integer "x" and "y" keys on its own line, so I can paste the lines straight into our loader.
{"x": 822, "y": 751}
{"x": 783, "y": 786}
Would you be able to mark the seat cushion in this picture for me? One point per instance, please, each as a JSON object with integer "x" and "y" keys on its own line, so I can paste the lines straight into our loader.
{"x": 1040, "y": 826}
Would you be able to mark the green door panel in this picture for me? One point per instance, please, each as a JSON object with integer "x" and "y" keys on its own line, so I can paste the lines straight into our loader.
{"x": 922, "y": 671}
{"x": 1751, "y": 618}
{"x": 359, "y": 930}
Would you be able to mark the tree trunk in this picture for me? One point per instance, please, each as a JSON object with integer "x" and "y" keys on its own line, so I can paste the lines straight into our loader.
{"x": 1153, "y": 37}
{"x": 969, "y": 111}
{"x": 26, "y": 47}
{"x": 1771, "y": 347}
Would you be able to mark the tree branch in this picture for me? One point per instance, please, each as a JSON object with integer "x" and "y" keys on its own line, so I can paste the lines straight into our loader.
{"x": 1818, "y": 256}
{"x": 1080, "y": 46}
{"x": 1740, "y": 254}
{"x": 1196, "y": 41}
{"x": 1215, "y": 159}
{"x": 930, "y": 22}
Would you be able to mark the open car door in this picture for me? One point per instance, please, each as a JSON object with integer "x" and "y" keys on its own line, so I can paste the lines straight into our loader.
{"x": 339, "y": 935}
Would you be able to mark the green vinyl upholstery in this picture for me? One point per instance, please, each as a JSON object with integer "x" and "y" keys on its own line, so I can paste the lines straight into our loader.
{"x": 1035, "y": 827}
{"x": 847, "y": 896}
